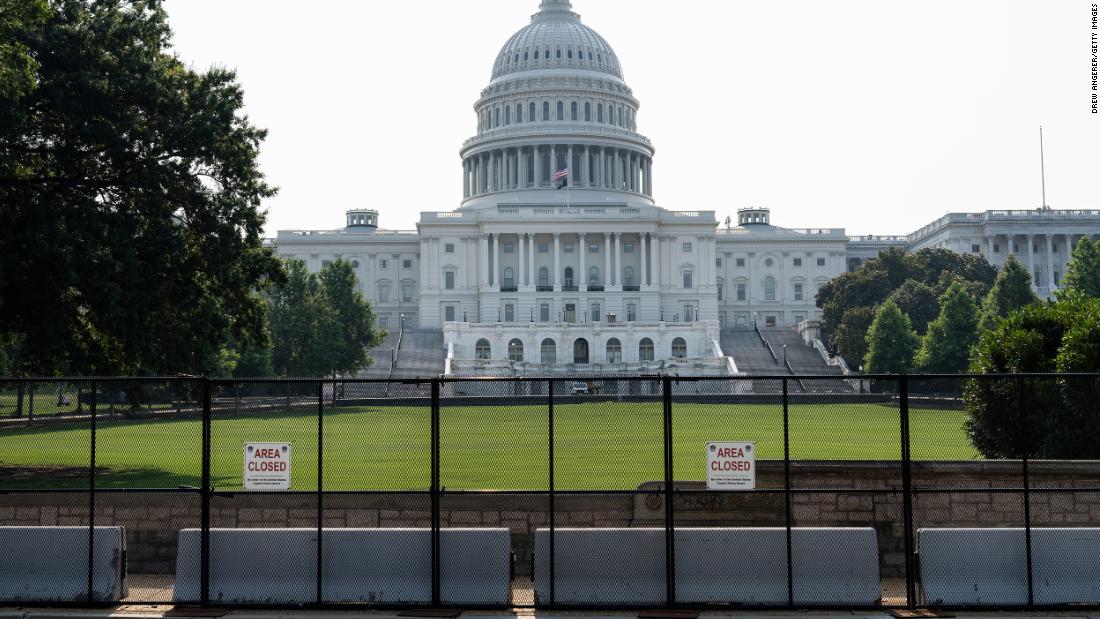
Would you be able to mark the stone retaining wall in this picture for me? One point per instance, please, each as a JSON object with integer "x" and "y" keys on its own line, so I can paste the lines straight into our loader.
{"x": 845, "y": 494}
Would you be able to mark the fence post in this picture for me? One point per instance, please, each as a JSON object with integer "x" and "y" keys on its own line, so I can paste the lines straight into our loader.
{"x": 435, "y": 494}
{"x": 787, "y": 490}
{"x": 553, "y": 507}
{"x": 320, "y": 483}
{"x": 91, "y": 498}
{"x": 907, "y": 494}
{"x": 204, "y": 544}
{"x": 1022, "y": 410}
{"x": 19, "y": 401}
{"x": 670, "y": 542}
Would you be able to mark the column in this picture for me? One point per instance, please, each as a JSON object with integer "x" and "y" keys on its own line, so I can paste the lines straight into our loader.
{"x": 1050, "y": 261}
{"x": 522, "y": 274}
{"x": 496, "y": 260}
{"x": 599, "y": 167}
{"x": 607, "y": 259}
{"x": 587, "y": 167}
{"x": 507, "y": 184}
{"x": 1031, "y": 260}
{"x": 553, "y": 162}
{"x": 557, "y": 261}
{"x": 582, "y": 276}
{"x": 531, "y": 260}
{"x": 616, "y": 170}
{"x": 658, "y": 258}
{"x": 465, "y": 180}
{"x": 569, "y": 166}
{"x": 989, "y": 248}
{"x": 522, "y": 154}
{"x": 537, "y": 157}
{"x": 645, "y": 260}
{"x": 617, "y": 259}
{"x": 483, "y": 241}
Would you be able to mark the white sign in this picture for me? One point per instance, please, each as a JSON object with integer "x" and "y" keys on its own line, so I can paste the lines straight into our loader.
{"x": 267, "y": 466}
{"x": 731, "y": 466}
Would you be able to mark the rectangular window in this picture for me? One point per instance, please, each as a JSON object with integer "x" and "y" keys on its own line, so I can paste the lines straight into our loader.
{"x": 406, "y": 264}
{"x": 407, "y": 293}
{"x": 384, "y": 320}
{"x": 595, "y": 317}
{"x": 326, "y": 264}
{"x": 544, "y": 247}
{"x": 769, "y": 321}
{"x": 509, "y": 312}
{"x": 1057, "y": 278}
{"x": 687, "y": 279}
{"x": 449, "y": 280}
{"x": 798, "y": 292}
{"x": 544, "y": 312}
{"x": 718, "y": 262}
{"x": 996, "y": 248}
{"x": 687, "y": 248}
{"x": 799, "y": 319}
{"x": 449, "y": 313}
{"x": 689, "y": 314}
{"x": 741, "y": 292}
{"x": 798, "y": 262}
{"x": 507, "y": 248}
{"x": 628, "y": 248}
{"x": 383, "y": 264}
{"x": 631, "y": 312}
{"x": 820, "y": 262}
{"x": 567, "y": 248}
{"x": 593, "y": 248}
{"x": 1015, "y": 248}
{"x": 975, "y": 249}
{"x": 740, "y": 262}
{"x": 450, "y": 249}
{"x": 383, "y": 293}
{"x": 720, "y": 291}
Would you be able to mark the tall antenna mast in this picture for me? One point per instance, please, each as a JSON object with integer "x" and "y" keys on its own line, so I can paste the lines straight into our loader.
{"x": 1043, "y": 168}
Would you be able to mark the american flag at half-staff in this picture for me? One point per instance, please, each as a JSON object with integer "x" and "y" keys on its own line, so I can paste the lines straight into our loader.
{"x": 560, "y": 175}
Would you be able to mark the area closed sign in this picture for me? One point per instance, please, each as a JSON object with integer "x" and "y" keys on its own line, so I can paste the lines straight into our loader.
{"x": 267, "y": 466}
{"x": 731, "y": 466}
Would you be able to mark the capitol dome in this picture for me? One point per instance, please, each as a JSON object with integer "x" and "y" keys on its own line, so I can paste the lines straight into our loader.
{"x": 556, "y": 38}
{"x": 556, "y": 114}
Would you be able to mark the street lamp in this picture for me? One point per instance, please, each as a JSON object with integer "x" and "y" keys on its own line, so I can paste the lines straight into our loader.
{"x": 464, "y": 316}
{"x": 695, "y": 310}
{"x": 498, "y": 313}
{"x": 784, "y": 354}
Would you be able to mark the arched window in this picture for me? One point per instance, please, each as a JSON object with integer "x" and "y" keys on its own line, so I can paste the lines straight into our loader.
{"x": 599, "y": 112}
{"x": 559, "y": 53}
{"x": 496, "y": 118}
{"x": 587, "y": 111}
{"x": 531, "y": 112}
{"x": 620, "y": 117}
{"x": 769, "y": 288}
{"x": 549, "y": 352}
{"x": 568, "y": 276}
{"x": 526, "y": 56}
{"x": 561, "y": 110}
{"x": 594, "y": 276}
{"x": 515, "y": 351}
{"x": 508, "y": 115}
{"x": 570, "y": 54}
{"x": 536, "y": 54}
{"x": 544, "y": 277}
{"x": 614, "y": 351}
{"x": 546, "y": 110}
{"x": 679, "y": 348}
{"x": 573, "y": 111}
{"x": 482, "y": 350}
{"x": 519, "y": 113}
{"x": 645, "y": 349}
{"x": 508, "y": 277}
{"x": 628, "y": 276}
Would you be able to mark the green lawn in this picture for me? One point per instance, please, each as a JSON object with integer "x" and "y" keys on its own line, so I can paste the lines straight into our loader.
{"x": 604, "y": 445}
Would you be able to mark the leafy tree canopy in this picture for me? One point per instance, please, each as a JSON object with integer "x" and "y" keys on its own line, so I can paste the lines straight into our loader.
{"x": 130, "y": 196}
{"x": 1083, "y": 271}
{"x": 946, "y": 347}
{"x": 1011, "y": 291}
{"x": 891, "y": 342}
{"x": 919, "y": 302}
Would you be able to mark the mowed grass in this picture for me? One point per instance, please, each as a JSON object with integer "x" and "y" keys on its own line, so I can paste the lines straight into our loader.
{"x": 604, "y": 445}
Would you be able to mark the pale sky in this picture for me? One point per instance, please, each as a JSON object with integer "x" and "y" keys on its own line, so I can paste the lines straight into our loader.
{"x": 877, "y": 116}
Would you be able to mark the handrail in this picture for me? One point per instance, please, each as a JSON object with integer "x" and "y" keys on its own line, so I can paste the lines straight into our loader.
{"x": 393, "y": 355}
{"x": 801, "y": 385}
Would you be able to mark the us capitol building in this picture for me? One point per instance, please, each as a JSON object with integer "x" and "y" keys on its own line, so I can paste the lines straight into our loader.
{"x": 598, "y": 277}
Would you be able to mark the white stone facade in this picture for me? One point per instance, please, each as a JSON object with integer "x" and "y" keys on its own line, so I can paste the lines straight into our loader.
{"x": 598, "y": 261}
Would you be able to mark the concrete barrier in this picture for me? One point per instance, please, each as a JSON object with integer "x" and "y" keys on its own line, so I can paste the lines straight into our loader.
{"x": 50, "y": 564}
{"x": 988, "y": 567}
{"x": 382, "y": 566}
{"x": 747, "y": 566}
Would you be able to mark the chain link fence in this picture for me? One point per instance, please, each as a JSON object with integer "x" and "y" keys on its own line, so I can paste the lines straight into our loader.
{"x": 550, "y": 492}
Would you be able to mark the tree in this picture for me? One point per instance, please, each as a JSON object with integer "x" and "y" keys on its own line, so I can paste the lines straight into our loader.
{"x": 320, "y": 323}
{"x": 1011, "y": 291}
{"x": 1042, "y": 417}
{"x": 918, "y": 301}
{"x": 891, "y": 342}
{"x": 945, "y": 349}
{"x": 354, "y": 316}
{"x": 850, "y": 337}
{"x": 1083, "y": 270}
{"x": 130, "y": 226}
